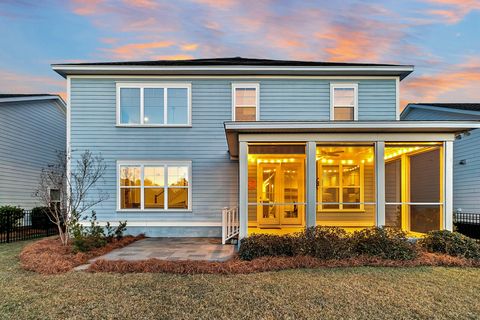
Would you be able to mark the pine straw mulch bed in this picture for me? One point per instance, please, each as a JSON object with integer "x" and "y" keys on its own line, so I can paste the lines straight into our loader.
{"x": 49, "y": 256}
{"x": 237, "y": 266}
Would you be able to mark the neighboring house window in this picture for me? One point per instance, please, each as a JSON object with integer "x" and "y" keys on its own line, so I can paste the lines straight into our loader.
{"x": 154, "y": 104}
{"x": 54, "y": 195}
{"x": 343, "y": 102}
{"x": 245, "y": 97}
{"x": 155, "y": 185}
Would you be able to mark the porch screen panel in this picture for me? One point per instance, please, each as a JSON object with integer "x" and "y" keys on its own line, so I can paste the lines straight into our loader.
{"x": 413, "y": 186}
{"x": 276, "y": 186}
{"x": 345, "y": 185}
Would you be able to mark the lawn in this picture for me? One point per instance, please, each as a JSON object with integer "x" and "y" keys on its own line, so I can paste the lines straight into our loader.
{"x": 352, "y": 293}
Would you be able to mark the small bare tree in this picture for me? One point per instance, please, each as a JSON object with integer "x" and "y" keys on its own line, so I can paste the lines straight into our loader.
{"x": 77, "y": 191}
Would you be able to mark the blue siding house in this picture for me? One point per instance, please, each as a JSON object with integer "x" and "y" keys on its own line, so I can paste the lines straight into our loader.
{"x": 466, "y": 160}
{"x": 234, "y": 146}
{"x": 32, "y": 131}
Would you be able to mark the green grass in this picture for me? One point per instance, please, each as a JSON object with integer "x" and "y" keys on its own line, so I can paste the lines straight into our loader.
{"x": 349, "y": 293}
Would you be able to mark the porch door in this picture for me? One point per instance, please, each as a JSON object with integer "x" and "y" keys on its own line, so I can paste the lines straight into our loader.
{"x": 280, "y": 187}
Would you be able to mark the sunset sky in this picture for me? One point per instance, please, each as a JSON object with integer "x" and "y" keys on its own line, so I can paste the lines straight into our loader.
{"x": 440, "y": 37}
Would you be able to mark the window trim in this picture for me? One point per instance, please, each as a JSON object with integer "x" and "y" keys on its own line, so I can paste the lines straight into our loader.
{"x": 165, "y": 86}
{"x": 342, "y": 85}
{"x": 247, "y": 85}
{"x": 142, "y": 164}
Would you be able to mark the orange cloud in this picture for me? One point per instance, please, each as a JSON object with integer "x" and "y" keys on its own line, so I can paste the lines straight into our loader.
{"x": 220, "y": 4}
{"x": 455, "y": 9}
{"x": 147, "y": 4}
{"x": 189, "y": 47}
{"x": 458, "y": 83}
{"x": 136, "y": 50}
{"x": 174, "y": 57}
{"x": 86, "y": 7}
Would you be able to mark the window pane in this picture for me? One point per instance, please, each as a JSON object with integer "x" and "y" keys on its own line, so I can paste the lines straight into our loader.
{"x": 178, "y": 176}
{"x": 330, "y": 195}
{"x": 54, "y": 195}
{"x": 154, "y": 198}
{"x": 245, "y": 114}
{"x": 393, "y": 215}
{"x": 351, "y": 176}
{"x": 343, "y": 113}
{"x": 351, "y": 195}
{"x": 330, "y": 176}
{"x": 130, "y": 198}
{"x": 177, "y": 106}
{"x": 425, "y": 177}
{"x": 245, "y": 97}
{"x": 130, "y": 105}
{"x": 178, "y": 198}
{"x": 153, "y": 105}
{"x": 154, "y": 176}
{"x": 344, "y": 97}
{"x": 130, "y": 176}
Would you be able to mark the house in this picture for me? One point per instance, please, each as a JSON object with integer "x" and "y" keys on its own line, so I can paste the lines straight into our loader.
{"x": 281, "y": 144}
{"x": 32, "y": 132}
{"x": 466, "y": 160}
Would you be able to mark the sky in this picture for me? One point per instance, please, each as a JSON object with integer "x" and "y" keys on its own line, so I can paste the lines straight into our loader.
{"x": 441, "y": 38}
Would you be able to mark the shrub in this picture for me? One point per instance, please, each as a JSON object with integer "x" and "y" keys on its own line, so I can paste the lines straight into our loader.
{"x": 10, "y": 217}
{"x": 386, "y": 243}
{"x": 116, "y": 232}
{"x": 451, "y": 243}
{"x": 261, "y": 245}
{"x": 325, "y": 243}
{"x": 40, "y": 218}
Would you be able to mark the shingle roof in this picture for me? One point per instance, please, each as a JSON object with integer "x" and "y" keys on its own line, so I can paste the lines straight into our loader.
{"x": 22, "y": 95}
{"x": 228, "y": 61}
{"x": 458, "y": 106}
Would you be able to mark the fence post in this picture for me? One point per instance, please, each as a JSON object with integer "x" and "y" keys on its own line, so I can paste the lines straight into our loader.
{"x": 8, "y": 227}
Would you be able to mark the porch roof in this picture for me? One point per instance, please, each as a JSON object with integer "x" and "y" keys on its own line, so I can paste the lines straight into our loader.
{"x": 234, "y": 128}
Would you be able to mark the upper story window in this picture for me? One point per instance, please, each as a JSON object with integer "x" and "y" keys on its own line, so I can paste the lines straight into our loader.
{"x": 343, "y": 101}
{"x": 153, "y": 104}
{"x": 154, "y": 185}
{"x": 245, "y": 98}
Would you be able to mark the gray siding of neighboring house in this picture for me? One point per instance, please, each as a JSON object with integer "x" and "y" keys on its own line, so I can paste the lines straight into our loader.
{"x": 466, "y": 178}
{"x": 31, "y": 133}
{"x": 215, "y": 176}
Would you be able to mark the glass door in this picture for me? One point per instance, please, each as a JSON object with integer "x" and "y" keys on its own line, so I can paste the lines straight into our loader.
{"x": 268, "y": 193}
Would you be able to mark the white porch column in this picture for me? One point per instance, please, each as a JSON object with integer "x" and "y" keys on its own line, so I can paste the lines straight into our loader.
{"x": 311, "y": 179}
{"x": 448, "y": 187}
{"x": 380, "y": 182}
{"x": 243, "y": 189}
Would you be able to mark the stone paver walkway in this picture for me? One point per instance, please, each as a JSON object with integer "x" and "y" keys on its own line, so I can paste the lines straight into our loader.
{"x": 207, "y": 249}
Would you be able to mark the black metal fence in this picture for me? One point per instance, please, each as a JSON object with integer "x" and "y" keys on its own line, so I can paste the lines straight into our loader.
{"x": 14, "y": 227}
{"x": 467, "y": 223}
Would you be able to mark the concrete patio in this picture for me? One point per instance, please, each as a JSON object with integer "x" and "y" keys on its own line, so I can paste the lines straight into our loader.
{"x": 206, "y": 249}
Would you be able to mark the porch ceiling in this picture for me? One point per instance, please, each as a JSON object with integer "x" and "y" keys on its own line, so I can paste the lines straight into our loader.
{"x": 233, "y": 128}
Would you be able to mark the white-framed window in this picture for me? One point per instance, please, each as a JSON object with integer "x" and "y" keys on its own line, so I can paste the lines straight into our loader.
{"x": 245, "y": 101}
{"x": 154, "y": 104}
{"x": 344, "y": 101}
{"x": 54, "y": 197}
{"x": 154, "y": 185}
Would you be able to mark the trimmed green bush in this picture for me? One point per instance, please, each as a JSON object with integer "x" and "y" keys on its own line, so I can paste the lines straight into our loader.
{"x": 261, "y": 245}
{"x": 451, "y": 243}
{"x": 10, "y": 217}
{"x": 325, "y": 243}
{"x": 385, "y": 243}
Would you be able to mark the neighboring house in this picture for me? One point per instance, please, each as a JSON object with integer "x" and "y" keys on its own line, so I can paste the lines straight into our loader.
{"x": 466, "y": 155}
{"x": 32, "y": 132}
{"x": 291, "y": 143}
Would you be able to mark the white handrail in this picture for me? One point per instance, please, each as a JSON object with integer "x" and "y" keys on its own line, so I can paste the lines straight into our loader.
{"x": 230, "y": 225}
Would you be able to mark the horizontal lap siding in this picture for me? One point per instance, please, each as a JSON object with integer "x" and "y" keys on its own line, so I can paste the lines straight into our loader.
{"x": 215, "y": 176}
{"x": 31, "y": 135}
{"x": 466, "y": 178}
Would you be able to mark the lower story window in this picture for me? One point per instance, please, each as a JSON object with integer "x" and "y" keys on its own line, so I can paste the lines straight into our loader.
{"x": 155, "y": 185}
